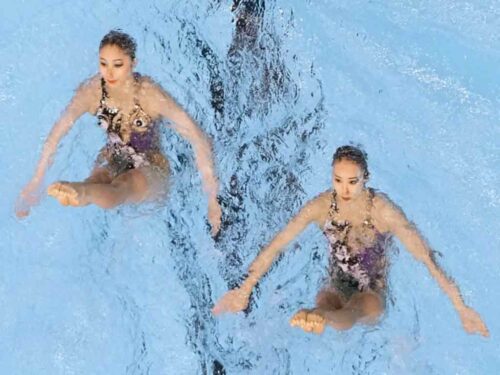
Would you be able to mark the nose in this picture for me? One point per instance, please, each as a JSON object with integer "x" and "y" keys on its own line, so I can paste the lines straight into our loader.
{"x": 346, "y": 189}
{"x": 109, "y": 73}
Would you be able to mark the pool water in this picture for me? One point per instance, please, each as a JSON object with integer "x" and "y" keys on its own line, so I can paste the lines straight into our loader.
{"x": 277, "y": 86}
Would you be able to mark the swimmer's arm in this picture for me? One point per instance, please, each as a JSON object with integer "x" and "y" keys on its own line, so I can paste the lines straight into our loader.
{"x": 313, "y": 211}
{"x": 408, "y": 234}
{"x": 237, "y": 299}
{"x": 413, "y": 241}
{"x": 79, "y": 104}
{"x": 164, "y": 105}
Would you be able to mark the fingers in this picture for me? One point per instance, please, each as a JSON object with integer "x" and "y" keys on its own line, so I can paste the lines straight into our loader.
{"x": 28, "y": 197}
{"x": 232, "y": 302}
{"x": 214, "y": 217}
{"x": 217, "y": 309}
{"x": 21, "y": 208}
{"x": 474, "y": 325}
{"x": 223, "y": 308}
{"x": 215, "y": 224}
{"x": 483, "y": 330}
{"x": 21, "y": 214}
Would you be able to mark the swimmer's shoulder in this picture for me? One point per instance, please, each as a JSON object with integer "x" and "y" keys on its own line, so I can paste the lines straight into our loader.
{"x": 384, "y": 211}
{"x": 380, "y": 200}
{"x": 88, "y": 93}
{"x": 145, "y": 82}
{"x": 149, "y": 87}
{"x": 324, "y": 199}
{"x": 152, "y": 96}
{"x": 319, "y": 207}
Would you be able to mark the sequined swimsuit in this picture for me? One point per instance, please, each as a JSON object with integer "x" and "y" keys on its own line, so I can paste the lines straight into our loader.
{"x": 361, "y": 270}
{"x": 132, "y": 140}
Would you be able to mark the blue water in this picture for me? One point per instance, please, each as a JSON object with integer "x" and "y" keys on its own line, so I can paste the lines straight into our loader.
{"x": 128, "y": 291}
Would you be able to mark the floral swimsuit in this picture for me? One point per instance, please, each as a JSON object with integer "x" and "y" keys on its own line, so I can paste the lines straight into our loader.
{"x": 132, "y": 140}
{"x": 361, "y": 270}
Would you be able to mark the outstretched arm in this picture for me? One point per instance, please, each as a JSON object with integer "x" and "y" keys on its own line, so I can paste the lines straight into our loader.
{"x": 166, "y": 106}
{"x": 408, "y": 234}
{"x": 80, "y": 104}
{"x": 237, "y": 299}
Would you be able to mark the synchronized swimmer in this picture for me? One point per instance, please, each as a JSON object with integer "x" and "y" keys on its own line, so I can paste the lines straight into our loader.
{"x": 358, "y": 222}
{"x": 131, "y": 168}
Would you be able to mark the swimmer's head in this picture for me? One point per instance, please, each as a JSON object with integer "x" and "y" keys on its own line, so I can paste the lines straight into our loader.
{"x": 353, "y": 154}
{"x": 117, "y": 58}
{"x": 350, "y": 172}
{"x": 120, "y": 39}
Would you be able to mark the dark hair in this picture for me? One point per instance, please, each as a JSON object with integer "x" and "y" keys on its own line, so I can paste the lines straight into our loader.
{"x": 354, "y": 154}
{"x": 120, "y": 39}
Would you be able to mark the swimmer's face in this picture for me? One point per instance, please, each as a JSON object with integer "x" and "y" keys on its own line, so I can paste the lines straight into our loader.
{"x": 348, "y": 180}
{"x": 115, "y": 65}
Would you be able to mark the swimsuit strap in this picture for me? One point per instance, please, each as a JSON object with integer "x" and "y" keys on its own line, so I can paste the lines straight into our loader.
{"x": 136, "y": 76}
{"x": 334, "y": 209}
{"x": 104, "y": 92}
{"x": 105, "y": 95}
{"x": 369, "y": 206}
{"x": 333, "y": 206}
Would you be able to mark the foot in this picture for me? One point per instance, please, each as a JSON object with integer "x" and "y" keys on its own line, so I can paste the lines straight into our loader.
{"x": 68, "y": 193}
{"x": 309, "y": 321}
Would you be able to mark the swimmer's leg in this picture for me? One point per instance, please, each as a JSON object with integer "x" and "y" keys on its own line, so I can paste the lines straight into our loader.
{"x": 328, "y": 299}
{"x": 363, "y": 307}
{"x": 67, "y": 193}
{"x": 100, "y": 175}
{"x": 129, "y": 187}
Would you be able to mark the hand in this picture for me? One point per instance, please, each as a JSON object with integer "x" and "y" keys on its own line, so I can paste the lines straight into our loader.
{"x": 214, "y": 216}
{"x": 28, "y": 197}
{"x": 233, "y": 301}
{"x": 472, "y": 322}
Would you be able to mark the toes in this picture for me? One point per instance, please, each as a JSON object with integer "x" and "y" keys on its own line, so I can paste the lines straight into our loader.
{"x": 299, "y": 318}
{"x": 64, "y": 200}
{"x": 54, "y": 189}
{"x": 308, "y": 321}
{"x": 294, "y": 322}
{"x": 319, "y": 329}
{"x": 316, "y": 323}
{"x": 309, "y": 326}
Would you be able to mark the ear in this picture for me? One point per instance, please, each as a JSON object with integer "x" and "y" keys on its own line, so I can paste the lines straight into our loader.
{"x": 134, "y": 63}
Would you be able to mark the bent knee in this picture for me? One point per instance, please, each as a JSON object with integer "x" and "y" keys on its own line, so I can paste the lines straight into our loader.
{"x": 328, "y": 300}
{"x": 373, "y": 306}
{"x": 370, "y": 305}
{"x": 133, "y": 184}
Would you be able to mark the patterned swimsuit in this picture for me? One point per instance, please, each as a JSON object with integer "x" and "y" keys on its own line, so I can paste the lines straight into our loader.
{"x": 132, "y": 140}
{"x": 361, "y": 270}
